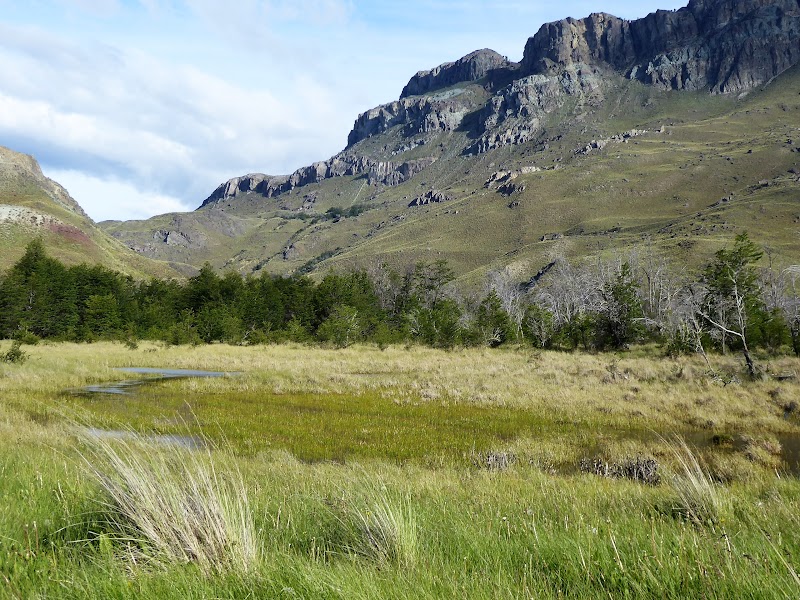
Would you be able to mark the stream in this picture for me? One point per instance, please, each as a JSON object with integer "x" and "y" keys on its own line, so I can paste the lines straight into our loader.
{"x": 128, "y": 387}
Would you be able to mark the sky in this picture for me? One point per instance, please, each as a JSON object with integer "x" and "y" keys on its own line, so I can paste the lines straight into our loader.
{"x": 141, "y": 107}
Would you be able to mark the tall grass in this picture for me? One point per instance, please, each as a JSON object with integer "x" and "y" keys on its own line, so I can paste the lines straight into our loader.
{"x": 700, "y": 498}
{"x": 170, "y": 505}
{"x": 372, "y": 526}
{"x": 387, "y": 530}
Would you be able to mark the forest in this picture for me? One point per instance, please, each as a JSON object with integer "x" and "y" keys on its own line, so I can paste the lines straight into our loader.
{"x": 735, "y": 303}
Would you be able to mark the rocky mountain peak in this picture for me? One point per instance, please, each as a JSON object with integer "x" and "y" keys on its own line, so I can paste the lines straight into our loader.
{"x": 472, "y": 67}
{"x": 719, "y": 46}
{"x": 724, "y": 46}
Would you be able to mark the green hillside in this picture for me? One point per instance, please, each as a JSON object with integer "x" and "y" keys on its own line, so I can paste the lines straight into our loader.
{"x": 33, "y": 206}
{"x": 699, "y": 169}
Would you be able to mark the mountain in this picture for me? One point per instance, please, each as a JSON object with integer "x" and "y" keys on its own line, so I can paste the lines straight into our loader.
{"x": 31, "y": 205}
{"x": 675, "y": 131}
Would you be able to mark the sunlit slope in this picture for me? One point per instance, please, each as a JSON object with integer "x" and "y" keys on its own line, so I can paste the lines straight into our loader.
{"x": 31, "y": 206}
{"x": 707, "y": 168}
{"x": 697, "y": 170}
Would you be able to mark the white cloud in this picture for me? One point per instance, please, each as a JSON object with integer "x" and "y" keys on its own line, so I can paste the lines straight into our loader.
{"x": 105, "y": 199}
{"x": 171, "y": 126}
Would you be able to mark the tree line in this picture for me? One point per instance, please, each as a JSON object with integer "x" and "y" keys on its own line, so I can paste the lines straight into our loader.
{"x": 734, "y": 304}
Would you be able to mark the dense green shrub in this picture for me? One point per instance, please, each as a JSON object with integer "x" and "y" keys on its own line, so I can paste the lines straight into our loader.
{"x": 15, "y": 354}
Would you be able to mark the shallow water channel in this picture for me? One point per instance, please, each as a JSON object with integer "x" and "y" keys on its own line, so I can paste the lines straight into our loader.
{"x": 155, "y": 375}
{"x": 128, "y": 387}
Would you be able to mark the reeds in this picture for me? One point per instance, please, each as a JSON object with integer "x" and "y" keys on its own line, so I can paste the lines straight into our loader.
{"x": 166, "y": 504}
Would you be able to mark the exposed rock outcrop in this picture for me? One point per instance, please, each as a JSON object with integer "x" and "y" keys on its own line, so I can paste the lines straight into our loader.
{"x": 378, "y": 172}
{"x": 429, "y": 197}
{"x": 514, "y": 115}
{"x": 725, "y": 46}
{"x": 619, "y": 138}
{"x": 507, "y": 189}
{"x": 417, "y": 115}
{"x": 394, "y": 173}
{"x": 472, "y": 67}
{"x": 19, "y": 215}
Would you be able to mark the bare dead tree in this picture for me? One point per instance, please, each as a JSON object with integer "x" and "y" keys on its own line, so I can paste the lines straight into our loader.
{"x": 569, "y": 292}
{"x": 511, "y": 295}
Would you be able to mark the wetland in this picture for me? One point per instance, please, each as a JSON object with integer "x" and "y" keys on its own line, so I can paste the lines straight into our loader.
{"x": 400, "y": 472}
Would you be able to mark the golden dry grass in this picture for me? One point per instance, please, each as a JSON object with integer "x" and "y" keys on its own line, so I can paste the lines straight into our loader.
{"x": 623, "y": 390}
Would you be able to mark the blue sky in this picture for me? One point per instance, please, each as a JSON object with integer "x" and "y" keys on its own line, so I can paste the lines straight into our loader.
{"x": 140, "y": 107}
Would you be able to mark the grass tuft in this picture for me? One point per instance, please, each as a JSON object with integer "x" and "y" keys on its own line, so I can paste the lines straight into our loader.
{"x": 387, "y": 529}
{"x": 700, "y": 498}
{"x": 169, "y": 505}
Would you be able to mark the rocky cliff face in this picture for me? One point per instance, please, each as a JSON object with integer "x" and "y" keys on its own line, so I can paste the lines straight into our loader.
{"x": 515, "y": 114}
{"x": 345, "y": 164}
{"x": 443, "y": 111}
{"x": 725, "y": 46}
{"x": 473, "y": 67}
{"x": 722, "y": 46}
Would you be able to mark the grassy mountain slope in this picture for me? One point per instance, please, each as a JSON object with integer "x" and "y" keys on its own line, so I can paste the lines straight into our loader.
{"x": 700, "y": 169}
{"x": 31, "y": 205}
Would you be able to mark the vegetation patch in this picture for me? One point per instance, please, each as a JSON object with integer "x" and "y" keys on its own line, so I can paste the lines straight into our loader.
{"x": 408, "y": 515}
{"x": 15, "y": 354}
{"x": 168, "y": 505}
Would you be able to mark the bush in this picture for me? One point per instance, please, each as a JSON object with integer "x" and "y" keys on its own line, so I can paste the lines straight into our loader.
{"x": 15, "y": 354}
{"x": 343, "y": 327}
{"x": 619, "y": 323}
{"x": 295, "y": 331}
{"x": 24, "y": 336}
{"x": 492, "y": 325}
{"x": 538, "y": 326}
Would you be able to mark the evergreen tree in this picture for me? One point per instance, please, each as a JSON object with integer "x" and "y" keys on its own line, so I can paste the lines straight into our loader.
{"x": 619, "y": 321}
{"x": 38, "y": 295}
{"x": 492, "y": 325}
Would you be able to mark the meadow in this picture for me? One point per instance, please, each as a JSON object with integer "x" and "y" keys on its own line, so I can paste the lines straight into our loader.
{"x": 394, "y": 473}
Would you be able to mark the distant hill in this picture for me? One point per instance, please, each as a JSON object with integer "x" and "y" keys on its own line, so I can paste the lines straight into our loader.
{"x": 31, "y": 206}
{"x": 675, "y": 132}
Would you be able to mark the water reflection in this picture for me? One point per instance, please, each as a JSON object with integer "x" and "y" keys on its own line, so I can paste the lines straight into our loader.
{"x": 128, "y": 386}
{"x": 191, "y": 442}
{"x": 154, "y": 375}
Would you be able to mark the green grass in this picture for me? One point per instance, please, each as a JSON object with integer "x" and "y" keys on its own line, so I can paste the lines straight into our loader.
{"x": 326, "y": 426}
{"x": 373, "y": 526}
